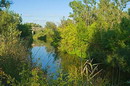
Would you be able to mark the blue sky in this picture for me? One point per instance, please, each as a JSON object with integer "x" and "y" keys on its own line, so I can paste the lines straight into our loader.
{"x": 41, "y": 11}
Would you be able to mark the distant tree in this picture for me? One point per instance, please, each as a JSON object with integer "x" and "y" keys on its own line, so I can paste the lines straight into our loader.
{"x": 50, "y": 25}
{"x": 34, "y": 25}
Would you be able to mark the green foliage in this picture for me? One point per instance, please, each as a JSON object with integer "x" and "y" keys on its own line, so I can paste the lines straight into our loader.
{"x": 9, "y": 22}
{"x": 50, "y": 25}
{"x": 26, "y": 30}
{"x": 33, "y": 77}
{"x": 50, "y": 34}
{"x": 13, "y": 55}
{"x": 6, "y": 79}
{"x": 33, "y": 25}
{"x": 75, "y": 38}
{"x": 26, "y": 33}
{"x": 98, "y": 30}
{"x": 5, "y": 3}
{"x": 129, "y": 11}
{"x": 79, "y": 76}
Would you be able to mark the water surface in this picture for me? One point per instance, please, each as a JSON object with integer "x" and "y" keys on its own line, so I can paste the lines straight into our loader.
{"x": 47, "y": 60}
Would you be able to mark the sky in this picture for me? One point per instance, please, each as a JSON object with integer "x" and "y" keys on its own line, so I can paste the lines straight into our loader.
{"x": 41, "y": 11}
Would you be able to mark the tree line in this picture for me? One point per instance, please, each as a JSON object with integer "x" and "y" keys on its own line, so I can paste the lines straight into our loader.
{"x": 95, "y": 30}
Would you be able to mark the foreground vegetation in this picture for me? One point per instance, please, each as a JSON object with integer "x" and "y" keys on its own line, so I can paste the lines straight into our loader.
{"x": 96, "y": 30}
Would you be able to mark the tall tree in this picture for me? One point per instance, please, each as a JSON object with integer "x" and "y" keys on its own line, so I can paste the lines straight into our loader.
{"x": 4, "y": 3}
{"x": 99, "y": 30}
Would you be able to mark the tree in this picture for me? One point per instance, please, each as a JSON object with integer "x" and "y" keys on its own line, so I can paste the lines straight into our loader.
{"x": 4, "y": 3}
{"x": 13, "y": 55}
{"x": 50, "y": 25}
{"x": 129, "y": 11}
{"x": 98, "y": 31}
{"x": 26, "y": 33}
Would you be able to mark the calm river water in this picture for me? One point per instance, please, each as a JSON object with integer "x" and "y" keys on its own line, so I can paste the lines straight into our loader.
{"x": 47, "y": 60}
{"x": 53, "y": 63}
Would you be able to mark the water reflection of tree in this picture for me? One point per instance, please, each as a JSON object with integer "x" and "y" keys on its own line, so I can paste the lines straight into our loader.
{"x": 47, "y": 44}
{"x": 68, "y": 62}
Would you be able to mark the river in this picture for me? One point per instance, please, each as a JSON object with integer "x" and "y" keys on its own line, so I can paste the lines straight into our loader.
{"x": 52, "y": 63}
{"x": 47, "y": 60}
{"x": 45, "y": 56}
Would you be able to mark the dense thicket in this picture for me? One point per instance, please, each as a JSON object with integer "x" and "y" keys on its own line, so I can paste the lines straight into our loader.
{"x": 14, "y": 56}
{"x": 98, "y": 30}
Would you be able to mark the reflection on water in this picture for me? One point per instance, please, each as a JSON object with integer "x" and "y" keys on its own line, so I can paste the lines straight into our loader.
{"x": 53, "y": 62}
{"x": 46, "y": 59}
